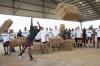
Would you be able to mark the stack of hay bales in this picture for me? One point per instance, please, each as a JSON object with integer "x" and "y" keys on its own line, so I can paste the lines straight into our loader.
{"x": 6, "y": 25}
{"x": 67, "y": 44}
{"x": 67, "y": 12}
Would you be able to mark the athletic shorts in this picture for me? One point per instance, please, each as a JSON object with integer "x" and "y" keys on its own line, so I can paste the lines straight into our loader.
{"x": 28, "y": 43}
{"x": 6, "y": 44}
{"x": 98, "y": 38}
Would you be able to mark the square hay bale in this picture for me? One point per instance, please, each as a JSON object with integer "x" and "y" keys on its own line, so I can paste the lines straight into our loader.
{"x": 21, "y": 40}
{"x": 67, "y": 44}
{"x": 36, "y": 46}
{"x": 13, "y": 43}
{"x": 6, "y": 25}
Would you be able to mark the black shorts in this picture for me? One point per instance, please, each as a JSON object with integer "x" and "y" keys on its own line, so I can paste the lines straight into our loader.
{"x": 78, "y": 39}
{"x": 44, "y": 42}
{"x": 37, "y": 40}
{"x": 98, "y": 38}
{"x": 6, "y": 44}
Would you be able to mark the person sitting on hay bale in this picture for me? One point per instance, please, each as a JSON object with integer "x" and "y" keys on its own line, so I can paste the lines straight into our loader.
{"x": 29, "y": 40}
{"x": 12, "y": 37}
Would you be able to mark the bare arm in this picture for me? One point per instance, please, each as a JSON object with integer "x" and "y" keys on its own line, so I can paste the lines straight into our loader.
{"x": 39, "y": 25}
{"x": 31, "y": 22}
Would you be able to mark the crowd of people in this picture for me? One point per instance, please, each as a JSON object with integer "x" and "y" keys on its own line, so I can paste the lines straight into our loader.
{"x": 83, "y": 38}
{"x": 36, "y": 33}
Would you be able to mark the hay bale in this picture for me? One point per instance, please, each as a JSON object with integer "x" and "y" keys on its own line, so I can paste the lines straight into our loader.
{"x": 13, "y": 43}
{"x": 21, "y": 40}
{"x": 36, "y": 46}
{"x": 17, "y": 42}
{"x": 67, "y": 44}
{"x": 62, "y": 27}
{"x": 6, "y": 25}
{"x": 67, "y": 12}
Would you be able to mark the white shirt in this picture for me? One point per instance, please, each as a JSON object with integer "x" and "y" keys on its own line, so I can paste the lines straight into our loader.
{"x": 38, "y": 36}
{"x": 47, "y": 35}
{"x": 5, "y": 37}
{"x": 56, "y": 33}
{"x": 89, "y": 33}
{"x": 98, "y": 32}
{"x": 72, "y": 34}
{"x": 78, "y": 33}
{"x": 25, "y": 34}
{"x": 12, "y": 36}
{"x": 43, "y": 36}
{"x": 51, "y": 34}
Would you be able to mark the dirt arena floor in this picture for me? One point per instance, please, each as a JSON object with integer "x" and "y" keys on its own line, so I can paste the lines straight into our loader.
{"x": 76, "y": 57}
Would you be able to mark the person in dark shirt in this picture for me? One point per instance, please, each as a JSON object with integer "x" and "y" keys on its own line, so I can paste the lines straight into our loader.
{"x": 84, "y": 37}
{"x": 69, "y": 32}
{"x": 29, "y": 40}
{"x": 19, "y": 34}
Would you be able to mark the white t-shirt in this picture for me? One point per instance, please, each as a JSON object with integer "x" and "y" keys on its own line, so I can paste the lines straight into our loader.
{"x": 25, "y": 33}
{"x": 43, "y": 36}
{"x": 12, "y": 36}
{"x": 89, "y": 33}
{"x": 51, "y": 34}
{"x": 72, "y": 34}
{"x": 56, "y": 33}
{"x": 47, "y": 35}
{"x": 98, "y": 32}
{"x": 38, "y": 36}
{"x": 5, "y": 37}
{"x": 78, "y": 33}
